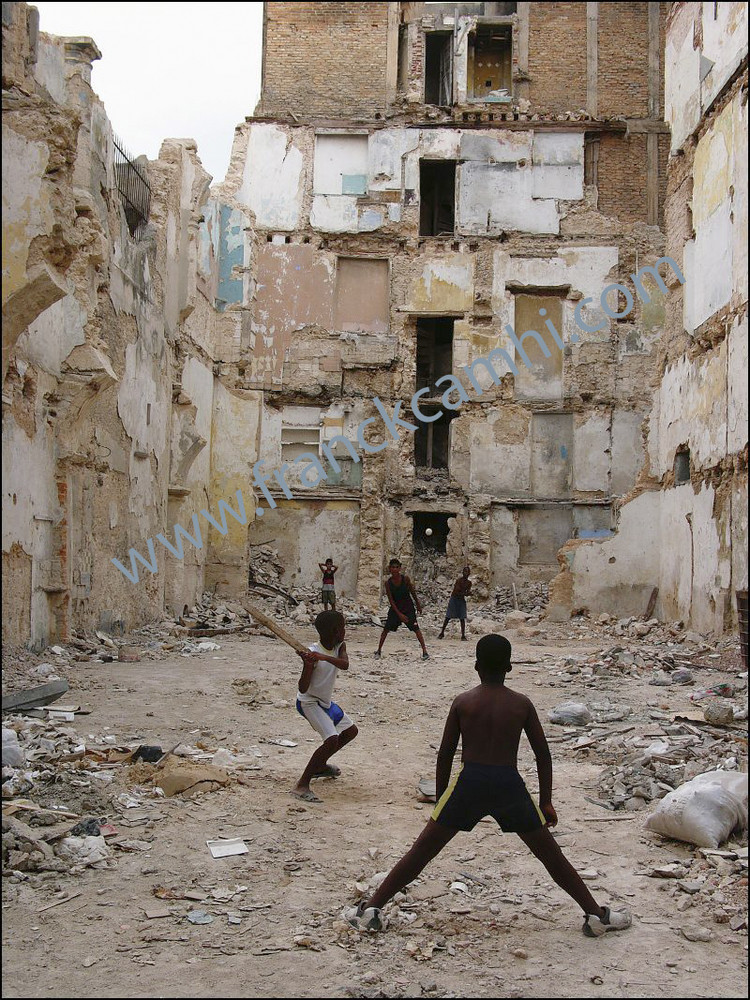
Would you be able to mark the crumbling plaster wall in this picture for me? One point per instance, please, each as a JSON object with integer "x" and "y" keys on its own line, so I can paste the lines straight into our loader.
{"x": 300, "y": 354}
{"x": 695, "y": 543}
{"x": 110, "y": 346}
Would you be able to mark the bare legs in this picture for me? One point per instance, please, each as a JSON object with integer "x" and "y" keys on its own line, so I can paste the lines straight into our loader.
{"x": 427, "y": 846}
{"x": 417, "y": 633}
{"x": 321, "y": 756}
{"x": 462, "y": 622}
{"x": 543, "y": 846}
{"x": 433, "y": 839}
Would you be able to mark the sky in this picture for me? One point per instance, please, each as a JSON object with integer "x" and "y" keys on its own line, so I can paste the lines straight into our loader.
{"x": 170, "y": 70}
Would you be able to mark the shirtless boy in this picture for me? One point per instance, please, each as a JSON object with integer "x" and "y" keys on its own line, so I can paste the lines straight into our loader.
{"x": 457, "y": 603}
{"x": 400, "y": 590}
{"x": 489, "y": 720}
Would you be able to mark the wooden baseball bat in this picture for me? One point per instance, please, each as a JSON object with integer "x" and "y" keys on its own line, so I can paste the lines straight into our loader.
{"x": 272, "y": 626}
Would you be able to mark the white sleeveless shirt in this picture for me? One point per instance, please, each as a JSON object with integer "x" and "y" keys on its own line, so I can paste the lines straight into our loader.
{"x": 323, "y": 678}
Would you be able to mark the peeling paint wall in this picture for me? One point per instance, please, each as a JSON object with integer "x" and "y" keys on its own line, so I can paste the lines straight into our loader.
{"x": 690, "y": 527}
{"x": 109, "y": 396}
{"x": 261, "y": 316}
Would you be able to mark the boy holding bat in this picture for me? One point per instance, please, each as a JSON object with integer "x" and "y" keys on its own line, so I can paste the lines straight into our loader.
{"x": 320, "y": 665}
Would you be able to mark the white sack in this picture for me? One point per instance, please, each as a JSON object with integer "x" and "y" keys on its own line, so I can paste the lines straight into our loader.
{"x": 703, "y": 811}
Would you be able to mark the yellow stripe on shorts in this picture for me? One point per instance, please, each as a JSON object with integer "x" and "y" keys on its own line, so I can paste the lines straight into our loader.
{"x": 446, "y": 794}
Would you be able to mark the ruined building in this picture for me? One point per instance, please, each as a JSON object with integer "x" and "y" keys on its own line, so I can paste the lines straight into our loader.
{"x": 116, "y": 423}
{"x": 420, "y": 176}
{"x": 684, "y": 528}
{"x": 418, "y": 183}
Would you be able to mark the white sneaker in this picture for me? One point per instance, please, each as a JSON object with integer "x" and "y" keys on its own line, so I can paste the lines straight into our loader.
{"x": 613, "y": 920}
{"x": 365, "y": 919}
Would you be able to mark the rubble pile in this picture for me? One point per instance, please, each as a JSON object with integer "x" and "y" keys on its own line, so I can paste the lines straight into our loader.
{"x": 49, "y": 761}
{"x": 710, "y": 888}
{"x": 648, "y": 769}
{"x": 265, "y": 566}
{"x": 531, "y": 598}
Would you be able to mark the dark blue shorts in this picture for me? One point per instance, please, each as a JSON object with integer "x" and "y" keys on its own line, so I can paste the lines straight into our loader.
{"x": 456, "y": 609}
{"x": 393, "y": 622}
{"x": 496, "y": 790}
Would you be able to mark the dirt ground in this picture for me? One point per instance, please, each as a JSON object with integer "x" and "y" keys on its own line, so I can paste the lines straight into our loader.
{"x": 504, "y": 931}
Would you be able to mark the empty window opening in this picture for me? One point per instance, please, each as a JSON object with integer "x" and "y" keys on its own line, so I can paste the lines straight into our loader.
{"x": 148, "y": 414}
{"x": 437, "y": 197}
{"x": 434, "y": 351}
{"x": 682, "y": 466}
{"x": 438, "y": 69}
{"x": 490, "y": 61}
{"x": 402, "y": 75}
{"x": 591, "y": 158}
{"x": 430, "y": 531}
{"x": 432, "y": 441}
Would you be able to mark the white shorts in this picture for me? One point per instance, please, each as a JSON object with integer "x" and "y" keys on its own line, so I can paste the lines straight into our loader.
{"x": 326, "y": 721}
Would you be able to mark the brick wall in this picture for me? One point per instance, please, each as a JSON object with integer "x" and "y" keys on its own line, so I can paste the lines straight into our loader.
{"x": 623, "y": 59}
{"x": 622, "y": 177}
{"x": 557, "y": 56}
{"x": 325, "y": 59}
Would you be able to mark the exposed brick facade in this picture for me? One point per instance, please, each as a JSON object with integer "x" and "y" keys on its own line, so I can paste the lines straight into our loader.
{"x": 623, "y": 177}
{"x": 299, "y": 74}
{"x": 622, "y": 79}
{"x": 557, "y": 56}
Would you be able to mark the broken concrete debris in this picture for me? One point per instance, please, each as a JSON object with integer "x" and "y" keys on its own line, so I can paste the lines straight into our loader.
{"x": 570, "y": 713}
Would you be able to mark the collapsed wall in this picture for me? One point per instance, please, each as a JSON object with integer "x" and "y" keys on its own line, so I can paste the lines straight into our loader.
{"x": 114, "y": 421}
{"x": 684, "y": 529}
{"x": 378, "y": 234}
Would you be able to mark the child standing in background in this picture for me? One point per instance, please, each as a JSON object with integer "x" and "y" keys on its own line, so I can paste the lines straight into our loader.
{"x": 328, "y": 593}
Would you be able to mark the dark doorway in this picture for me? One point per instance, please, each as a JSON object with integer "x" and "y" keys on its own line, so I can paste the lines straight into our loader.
{"x": 432, "y": 441}
{"x": 437, "y": 197}
{"x": 438, "y": 70}
{"x": 682, "y": 466}
{"x": 434, "y": 351}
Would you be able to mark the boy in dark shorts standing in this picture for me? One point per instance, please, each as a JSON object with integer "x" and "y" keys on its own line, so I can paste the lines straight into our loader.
{"x": 402, "y": 597}
{"x": 321, "y": 664}
{"x": 489, "y": 720}
{"x": 457, "y": 603}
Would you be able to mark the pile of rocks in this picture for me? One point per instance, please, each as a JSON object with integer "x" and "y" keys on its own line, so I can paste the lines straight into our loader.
{"x": 710, "y": 887}
{"x": 48, "y": 761}
{"x": 532, "y": 598}
{"x": 650, "y": 769}
{"x": 265, "y": 566}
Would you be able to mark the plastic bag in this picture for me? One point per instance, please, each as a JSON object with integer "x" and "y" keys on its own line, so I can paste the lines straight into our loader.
{"x": 570, "y": 713}
{"x": 703, "y": 811}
